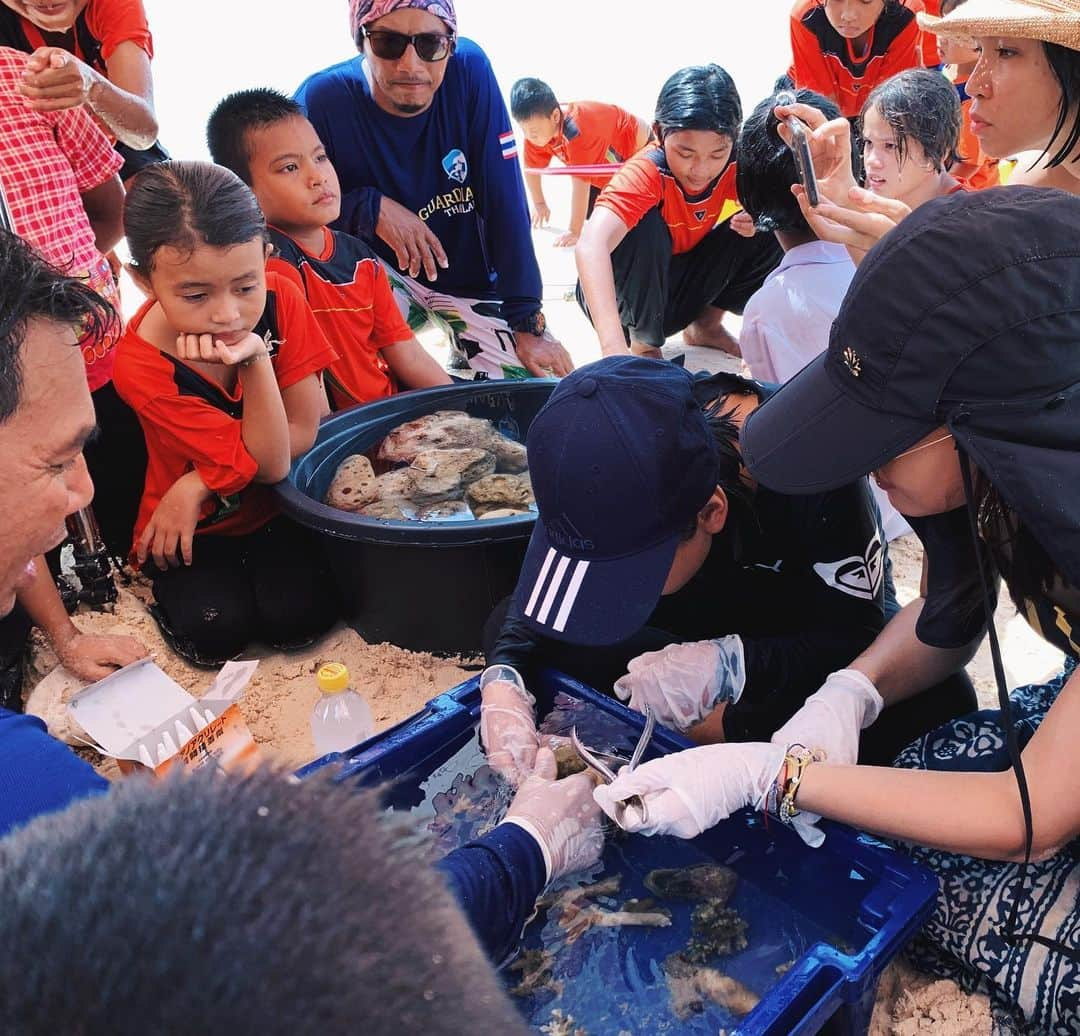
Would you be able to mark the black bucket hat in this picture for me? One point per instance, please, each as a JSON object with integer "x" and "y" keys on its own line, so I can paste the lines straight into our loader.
{"x": 966, "y": 315}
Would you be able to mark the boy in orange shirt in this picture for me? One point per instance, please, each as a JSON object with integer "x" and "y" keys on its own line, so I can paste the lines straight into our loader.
{"x": 264, "y": 138}
{"x": 976, "y": 169}
{"x": 654, "y": 257}
{"x": 842, "y": 49}
{"x": 578, "y": 133}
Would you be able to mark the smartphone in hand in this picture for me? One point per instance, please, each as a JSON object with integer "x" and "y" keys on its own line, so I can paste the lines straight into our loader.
{"x": 800, "y": 147}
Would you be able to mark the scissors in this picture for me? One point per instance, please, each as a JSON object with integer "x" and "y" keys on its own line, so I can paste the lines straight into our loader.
{"x": 635, "y": 803}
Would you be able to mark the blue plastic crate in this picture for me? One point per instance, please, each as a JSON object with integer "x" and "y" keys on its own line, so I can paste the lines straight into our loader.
{"x": 874, "y": 897}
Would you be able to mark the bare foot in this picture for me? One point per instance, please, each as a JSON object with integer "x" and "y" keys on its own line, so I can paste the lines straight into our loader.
{"x": 640, "y": 349}
{"x": 711, "y": 335}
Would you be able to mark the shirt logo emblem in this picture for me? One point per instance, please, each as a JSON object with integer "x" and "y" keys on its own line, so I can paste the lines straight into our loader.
{"x": 456, "y": 165}
{"x": 699, "y": 216}
{"x": 856, "y": 576}
{"x": 272, "y": 343}
{"x": 852, "y": 361}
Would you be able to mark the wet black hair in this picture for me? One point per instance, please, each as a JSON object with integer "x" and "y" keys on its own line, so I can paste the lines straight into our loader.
{"x": 236, "y": 116}
{"x": 212, "y": 904}
{"x": 187, "y": 204}
{"x": 31, "y": 289}
{"x": 531, "y": 97}
{"x": 766, "y": 168}
{"x": 701, "y": 97}
{"x": 921, "y": 105}
{"x": 714, "y": 395}
{"x": 1065, "y": 64}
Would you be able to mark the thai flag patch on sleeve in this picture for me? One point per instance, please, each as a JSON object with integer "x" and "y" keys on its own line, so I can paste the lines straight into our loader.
{"x": 508, "y": 144}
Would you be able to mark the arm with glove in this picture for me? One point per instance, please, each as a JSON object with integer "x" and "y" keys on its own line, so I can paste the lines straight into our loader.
{"x": 508, "y": 723}
{"x": 552, "y": 828}
{"x": 689, "y": 792}
{"x": 684, "y": 683}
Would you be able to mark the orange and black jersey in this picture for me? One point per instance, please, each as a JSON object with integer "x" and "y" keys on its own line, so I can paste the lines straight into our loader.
{"x": 593, "y": 133}
{"x": 350, "y": 295}
{"x": 193, "y": 424}
{"x": 646, "y": 182}
{"x": 824, "y": 61}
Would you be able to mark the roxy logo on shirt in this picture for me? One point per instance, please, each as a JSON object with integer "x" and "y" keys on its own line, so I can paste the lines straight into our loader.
{"x": 857, "y": 576}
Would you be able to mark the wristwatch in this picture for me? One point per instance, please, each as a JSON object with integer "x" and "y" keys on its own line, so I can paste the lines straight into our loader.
{"x": 535, "y": 324}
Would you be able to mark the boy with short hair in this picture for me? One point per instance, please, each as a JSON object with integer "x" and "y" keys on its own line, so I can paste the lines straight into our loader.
{"x": 786, "y": 322}
{"x": 578, "y": 133}
{"x": 264, "y": 137}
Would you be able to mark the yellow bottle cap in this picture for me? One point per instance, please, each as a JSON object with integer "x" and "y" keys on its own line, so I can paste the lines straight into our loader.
{"x": 333, "y": 677}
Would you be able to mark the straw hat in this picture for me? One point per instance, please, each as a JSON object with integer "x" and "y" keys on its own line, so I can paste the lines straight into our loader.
{"x": 1055, "y": 21}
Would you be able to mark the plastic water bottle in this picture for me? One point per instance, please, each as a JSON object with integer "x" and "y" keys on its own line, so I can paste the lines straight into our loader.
{"x": 341, "y": 717}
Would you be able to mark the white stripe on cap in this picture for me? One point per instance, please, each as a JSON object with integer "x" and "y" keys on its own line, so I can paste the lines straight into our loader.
{"x": 538, "y": 586}
{"x": 553, "y": 589}
{"x": 571, "y": 596}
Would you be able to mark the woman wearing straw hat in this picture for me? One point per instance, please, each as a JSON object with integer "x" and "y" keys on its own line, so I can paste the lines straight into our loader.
{"x": 952, "y": 375}
{"x": 1025, "y": 91}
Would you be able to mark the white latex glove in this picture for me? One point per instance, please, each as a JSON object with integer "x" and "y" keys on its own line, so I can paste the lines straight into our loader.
{"x": 683, "y": 683}
{"x": 561, "y": 815}
{"x": 829, "y": 722}
{"x": 832, "y": 717}
{"x": 507, "y": 724}
{"x": 690, "y": 791}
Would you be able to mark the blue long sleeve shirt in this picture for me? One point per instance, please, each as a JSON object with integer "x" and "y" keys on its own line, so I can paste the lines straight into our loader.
{"x": 454, "y": 165}
{"x": 38, "y": 774}
{"x": 496, "y": 879}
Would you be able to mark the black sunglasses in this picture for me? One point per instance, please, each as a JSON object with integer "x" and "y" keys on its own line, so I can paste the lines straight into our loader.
{"x": 429, "y": 46}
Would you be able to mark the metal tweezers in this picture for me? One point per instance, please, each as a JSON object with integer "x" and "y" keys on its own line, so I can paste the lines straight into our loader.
{"x": 636, "y": 802}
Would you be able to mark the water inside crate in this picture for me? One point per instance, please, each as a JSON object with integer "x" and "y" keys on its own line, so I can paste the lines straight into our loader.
{"x": 612, "y": 980}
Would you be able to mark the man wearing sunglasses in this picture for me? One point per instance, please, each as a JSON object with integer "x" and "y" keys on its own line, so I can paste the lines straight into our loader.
{"x": 421, "y": 140}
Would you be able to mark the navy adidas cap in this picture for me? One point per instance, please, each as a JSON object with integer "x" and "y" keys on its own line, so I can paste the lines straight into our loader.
{"x": 621, "y": 459}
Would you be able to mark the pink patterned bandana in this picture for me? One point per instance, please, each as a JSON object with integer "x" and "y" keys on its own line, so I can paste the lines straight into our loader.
{"x": 361, "y": 12}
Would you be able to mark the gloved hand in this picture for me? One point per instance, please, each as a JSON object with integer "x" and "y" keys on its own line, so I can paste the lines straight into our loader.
{"x": 683, "y": 683}
{"x": 829, "y": 722}
{"x": 507, "y": 725}
{"x": 690, "y": 791}
{"x": 832, "y": 717}
{"x": 560, "y": 815}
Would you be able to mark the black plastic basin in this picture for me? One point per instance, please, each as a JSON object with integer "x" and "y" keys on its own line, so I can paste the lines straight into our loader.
{"x": 428, "y": 586}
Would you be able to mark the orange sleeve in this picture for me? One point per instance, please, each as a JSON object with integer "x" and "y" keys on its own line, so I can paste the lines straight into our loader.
{"x": 285, "y": 270}
{"x": 928, "y": 53}
{"x": 389, "y": 326}
{"x": 808, "y": 67}
{"x": 535, "y": 157}
{"x": 304, "y": 349}
{"x": 624, "y": 133}
{"x": 903, "y": 54}
{"x": 633, "y": 190}
{"x": 113, "y": 22}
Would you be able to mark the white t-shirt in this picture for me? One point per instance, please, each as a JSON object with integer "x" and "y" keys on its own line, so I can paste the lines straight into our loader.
{"x": 786, "y": 324}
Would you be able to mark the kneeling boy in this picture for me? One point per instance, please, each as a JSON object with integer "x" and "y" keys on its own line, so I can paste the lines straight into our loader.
{"x": 264, "y": 138}
{"x": 656, "y": 556}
